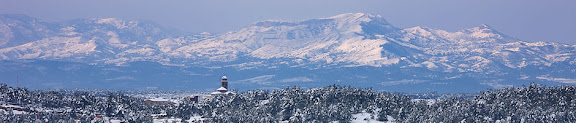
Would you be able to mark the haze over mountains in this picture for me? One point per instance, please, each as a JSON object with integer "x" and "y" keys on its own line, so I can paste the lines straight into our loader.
{"x": 357, "y": 49}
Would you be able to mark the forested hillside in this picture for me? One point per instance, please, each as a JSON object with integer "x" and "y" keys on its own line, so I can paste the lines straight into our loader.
{"x": 532, "y": 103}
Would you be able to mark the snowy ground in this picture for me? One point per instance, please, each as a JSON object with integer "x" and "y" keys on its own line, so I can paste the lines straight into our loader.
{"x": 428, "y": 101}
{"x": 193, "y": 119}
{"x": 14, "y": 107}
{"x": 366, "y": 118}
{"x": 167, "y": 120}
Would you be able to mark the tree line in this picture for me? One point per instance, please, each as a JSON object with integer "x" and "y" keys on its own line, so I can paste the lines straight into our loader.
{"x": 531, "y": 103}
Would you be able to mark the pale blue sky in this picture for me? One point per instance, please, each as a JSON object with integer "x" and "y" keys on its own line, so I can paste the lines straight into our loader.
{"x": 530, "y": 20}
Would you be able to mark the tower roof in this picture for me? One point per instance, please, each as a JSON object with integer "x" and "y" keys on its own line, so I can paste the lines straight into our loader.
{"x": 221, "y": 89}
{"x": 224, "y": 77}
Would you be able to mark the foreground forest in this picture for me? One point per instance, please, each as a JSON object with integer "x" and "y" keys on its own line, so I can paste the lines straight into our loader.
{"x": 532, "y": 103}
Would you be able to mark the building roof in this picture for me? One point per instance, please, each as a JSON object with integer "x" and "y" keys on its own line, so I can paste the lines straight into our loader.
{"x": 221, "y": 89}
{"x": 220, "y": 93}
{"x": 159, "y": 100}
{"x": 224, "y": 77}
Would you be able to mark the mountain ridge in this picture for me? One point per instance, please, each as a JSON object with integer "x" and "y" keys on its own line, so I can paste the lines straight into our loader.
{"x": 346, "y": 41}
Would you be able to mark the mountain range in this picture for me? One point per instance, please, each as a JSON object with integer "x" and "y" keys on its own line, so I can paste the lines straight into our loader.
{"x": 356, "y": 49}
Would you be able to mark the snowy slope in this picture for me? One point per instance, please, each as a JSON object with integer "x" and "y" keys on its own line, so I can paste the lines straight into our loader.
{"x": 352, "y": 41}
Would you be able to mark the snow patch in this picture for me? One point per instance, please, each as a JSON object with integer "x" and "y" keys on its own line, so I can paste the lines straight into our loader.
{"x": 118, "y": 23}
{"x": 561, "y": 80}
{"x": 430, "y": 65}
{"x": 369, "y": 118}
{"x": 263, "y": 80}
{"x": 404, "y": 81}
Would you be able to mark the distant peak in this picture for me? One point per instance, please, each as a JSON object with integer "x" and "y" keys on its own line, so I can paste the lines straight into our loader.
{"x": 355, "y": 16}
{"x": 419, "y": 28}
{"x": 107, "y": 20}
{"x": 269, "y": 23}
{"x": 484, "y": 26}
{"x": 423, "y": 31}
{"x": 486, "y": 31}
{"x": 118, "y": 23}
{"x": 342, "y": 18}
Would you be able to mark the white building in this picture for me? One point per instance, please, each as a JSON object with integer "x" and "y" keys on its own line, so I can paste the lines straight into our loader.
{"x": 223, "y": 90}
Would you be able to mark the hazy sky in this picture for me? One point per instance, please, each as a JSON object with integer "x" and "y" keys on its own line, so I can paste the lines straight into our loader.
{"x": 530, "y": 20}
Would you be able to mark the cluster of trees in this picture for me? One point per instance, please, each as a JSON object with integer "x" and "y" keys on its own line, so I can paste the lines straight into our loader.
{"x": 533, "y": 103}
{"x": 332, "y": 103}
{"x": 68, "y": 106}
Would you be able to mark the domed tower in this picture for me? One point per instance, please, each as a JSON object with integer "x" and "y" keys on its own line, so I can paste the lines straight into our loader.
{"x": 224, "y": 82}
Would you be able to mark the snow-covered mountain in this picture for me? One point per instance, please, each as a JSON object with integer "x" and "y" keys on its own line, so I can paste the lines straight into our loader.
{"x": 358, "y": 47}
{"x": 102, "y": 40}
